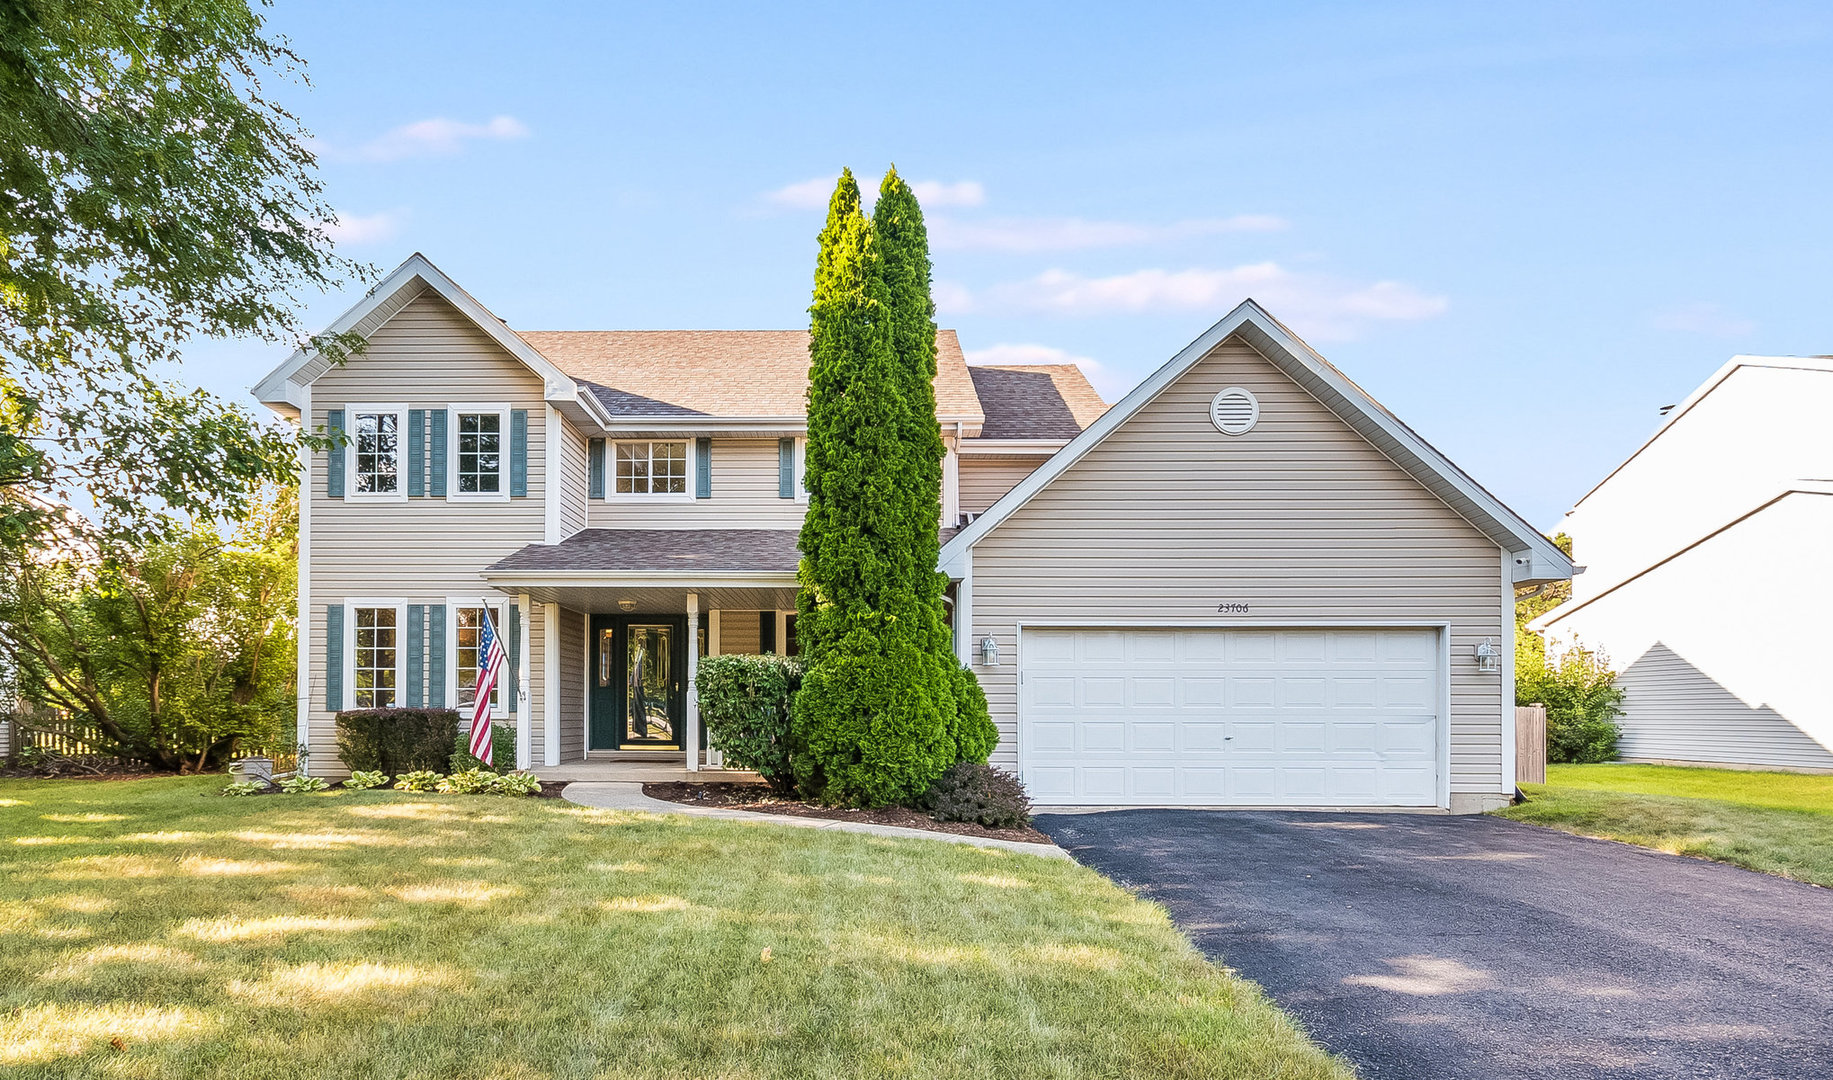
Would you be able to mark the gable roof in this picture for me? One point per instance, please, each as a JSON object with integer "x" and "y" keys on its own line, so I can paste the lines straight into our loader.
{"x": 1035, "y": 401}
{"x": 282, "y": 388}
{"x": 1815, "y": 364}
{"x": 1535, "y": 557}
{"x": 750, "y": 374}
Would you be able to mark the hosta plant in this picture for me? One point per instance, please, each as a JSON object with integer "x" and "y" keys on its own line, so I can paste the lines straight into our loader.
{"x": 244, "y": 787}
{"x": 304, "y": 785}
{"x": 418, "y": 780}
{"x": 362, "y": 780}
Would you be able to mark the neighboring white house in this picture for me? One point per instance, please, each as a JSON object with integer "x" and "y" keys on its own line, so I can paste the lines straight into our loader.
{"x": 1709, "y": 572}
{"x": 1246, "y": 584}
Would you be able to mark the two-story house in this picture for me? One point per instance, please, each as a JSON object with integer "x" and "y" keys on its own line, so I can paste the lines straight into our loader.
{"x": 1247, "y": 583}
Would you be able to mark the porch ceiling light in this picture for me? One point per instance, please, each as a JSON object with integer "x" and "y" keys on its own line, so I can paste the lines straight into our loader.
{"x": 1489, "y": 656}
{"x": 627, "y": 605}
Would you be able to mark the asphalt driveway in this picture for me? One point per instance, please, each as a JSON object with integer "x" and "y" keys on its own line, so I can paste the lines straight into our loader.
{"x": 1453, "y": 947}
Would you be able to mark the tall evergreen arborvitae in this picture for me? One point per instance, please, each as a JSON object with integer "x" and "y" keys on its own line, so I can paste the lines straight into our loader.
{"x": 876, "y": 720}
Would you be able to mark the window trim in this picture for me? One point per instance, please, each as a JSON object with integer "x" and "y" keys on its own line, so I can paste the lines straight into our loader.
{"x": 500, "y": 613}
{"x": 502, "y": 410}
{"x": 614, "y": 495}
{"x": 801, "y": 469}
{"x": 351, "y": 490}
{"x": 400, "y": 610}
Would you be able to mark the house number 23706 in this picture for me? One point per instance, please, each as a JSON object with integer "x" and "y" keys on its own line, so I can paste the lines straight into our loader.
{"x": 1226, "y": 608}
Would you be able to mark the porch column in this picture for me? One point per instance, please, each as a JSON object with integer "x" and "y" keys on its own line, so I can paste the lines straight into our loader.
{"x": 525, "y": 721}
{"x": 693, "y": 667}
{"x": 550, "y": 684}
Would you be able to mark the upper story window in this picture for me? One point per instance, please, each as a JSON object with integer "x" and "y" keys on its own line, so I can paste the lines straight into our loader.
{"x": 651, "y": 468}
{"x": 376, "y": 457}
{"x": 478, "y": 439}
{"x": 373, "y": 657}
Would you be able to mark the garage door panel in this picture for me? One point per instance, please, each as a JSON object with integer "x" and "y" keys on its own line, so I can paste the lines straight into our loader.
{"x": 1242, "y": 717}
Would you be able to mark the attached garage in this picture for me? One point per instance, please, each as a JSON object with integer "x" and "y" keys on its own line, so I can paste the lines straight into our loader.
{"x": 1155, "y": 716}
{"x": 1249, "y": 584}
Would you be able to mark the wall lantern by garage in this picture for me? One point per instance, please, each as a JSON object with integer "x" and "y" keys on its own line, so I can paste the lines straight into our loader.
{"x": 1489, "y": 656}
{"x": 989, "y": 652}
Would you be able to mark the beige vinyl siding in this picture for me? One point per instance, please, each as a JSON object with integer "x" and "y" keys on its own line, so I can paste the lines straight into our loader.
{"x": 574, "y": 480}
{"x": 739, "y": 633}
{"x": 531, "y": 675}
{"x": 985, "y": 479}
{"x": 1301, "y": 519}
{"x": 419, "y": 550}
{"x": 572, "y": 685}
{"x": 744, "y": 495}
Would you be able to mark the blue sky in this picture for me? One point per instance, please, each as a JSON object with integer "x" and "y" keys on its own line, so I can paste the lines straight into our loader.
{"x": 1523, "y": 230}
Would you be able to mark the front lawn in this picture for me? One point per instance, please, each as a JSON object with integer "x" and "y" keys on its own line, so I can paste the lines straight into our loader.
{"x": 1778, "y": 823}
{"x": 150, "y": 928}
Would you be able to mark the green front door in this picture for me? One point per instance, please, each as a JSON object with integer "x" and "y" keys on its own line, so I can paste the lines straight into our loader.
{"x": 639, "y": 681}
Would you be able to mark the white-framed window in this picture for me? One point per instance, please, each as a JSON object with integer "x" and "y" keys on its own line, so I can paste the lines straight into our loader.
{"x": 663, "y": 468}
{"x": 466, "y": 617}
{"x": 378, "y": 452}
{"x": 478, "y": 438}
{"x": 375, "y": 646}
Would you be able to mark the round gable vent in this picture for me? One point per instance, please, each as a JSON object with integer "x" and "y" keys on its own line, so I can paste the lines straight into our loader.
{"x": 1234, "y": 411}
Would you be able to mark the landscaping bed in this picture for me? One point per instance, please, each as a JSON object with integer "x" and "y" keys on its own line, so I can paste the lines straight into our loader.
{"x": 759, "y": 798}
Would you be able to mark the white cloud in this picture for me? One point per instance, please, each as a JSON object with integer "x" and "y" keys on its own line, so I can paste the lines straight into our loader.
{"x": 1319, "y": 305}
{"x": 813, "y": 194}
{"x": 1073, "y": 234}
{"x": 1702, "y": 318}
{"x": 429, "y": 138}
{"x": 803, "y": 194}
{"x": 359, "y": 229}
{"x": 934, "y": 193}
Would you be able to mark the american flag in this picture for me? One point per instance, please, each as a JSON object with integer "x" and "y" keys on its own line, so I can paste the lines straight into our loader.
{"x": 489, "y": 665}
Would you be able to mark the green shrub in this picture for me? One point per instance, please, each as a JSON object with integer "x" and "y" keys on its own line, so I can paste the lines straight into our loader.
{"x": 244, "y": 787}
{"x": 418, "y": 780}
{"x": 745, "y": 704}
{"x": 396, "y": 741}
{"x": 973, "y": 730}
{"x": 870, "y": 726}
{"x": 469, "y": 782}
{"x": 1581, "y": 695}
{"x": 363, "y": 781}
{"x": 304, "y": 785}
{"x": 978, "y": 793}
{"x": 502, "y": 748}
{"x": 517, "y": 784}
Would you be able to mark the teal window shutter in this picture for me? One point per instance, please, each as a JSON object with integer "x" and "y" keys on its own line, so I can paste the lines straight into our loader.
{"x": 334, "y": 657}
{"x": 518, "y": 452}
{"x": 436, "y": 656}
{"x": 513, "y": 616}
{"x": 334, "y": 458}
{"x": 416, "y": 452}
{"x": 597, "y": 454}
{"x": 785, "y": 468}
{"x": 436, "y": 434}
{"x": 703, "y": 468}
{"x": 416, "y": 655}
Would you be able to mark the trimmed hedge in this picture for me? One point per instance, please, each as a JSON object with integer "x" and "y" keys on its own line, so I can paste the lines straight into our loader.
{"x": 872, "y": 723}
{"x": 502, "y": 748}
{"x": 396, "y": 741}
{"x": 744, "y": 702}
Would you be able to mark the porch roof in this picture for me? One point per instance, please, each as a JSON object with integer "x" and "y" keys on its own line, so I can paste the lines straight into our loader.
{"x": 650, "y": 551}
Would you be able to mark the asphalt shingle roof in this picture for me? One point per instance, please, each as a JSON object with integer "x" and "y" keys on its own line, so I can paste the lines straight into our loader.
{"x": 1035, "y": 401}
{"x": 719, "y": 373}
{"x": 662, "y": 549}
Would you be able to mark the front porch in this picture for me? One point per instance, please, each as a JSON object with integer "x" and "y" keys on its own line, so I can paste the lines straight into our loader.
{"x": 658, "y": 767}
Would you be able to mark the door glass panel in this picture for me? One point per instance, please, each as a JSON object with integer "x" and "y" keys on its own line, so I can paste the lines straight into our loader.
{"x": 604, "y": 657}
{"x": 647, "y": 688}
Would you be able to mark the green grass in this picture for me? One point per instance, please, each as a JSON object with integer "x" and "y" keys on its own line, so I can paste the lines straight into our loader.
{"x": 380, "y": 934}
{"x": 1777, "y": 823}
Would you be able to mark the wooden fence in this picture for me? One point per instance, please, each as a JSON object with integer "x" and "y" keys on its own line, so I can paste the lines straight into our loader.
{"x": 1530, "y": 744}
{"x": 85, "y": 744}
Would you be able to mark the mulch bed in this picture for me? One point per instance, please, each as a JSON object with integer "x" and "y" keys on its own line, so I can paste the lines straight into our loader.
{"x": 761, "y": 799}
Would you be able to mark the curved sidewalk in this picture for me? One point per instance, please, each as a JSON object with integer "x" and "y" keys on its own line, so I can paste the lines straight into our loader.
{"x": 624, "y": 795}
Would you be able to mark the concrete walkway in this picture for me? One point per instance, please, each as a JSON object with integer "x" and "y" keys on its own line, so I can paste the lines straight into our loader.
{"x": 629, "y": 796}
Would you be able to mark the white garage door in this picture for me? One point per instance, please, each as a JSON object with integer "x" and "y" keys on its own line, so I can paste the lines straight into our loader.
{"x": 1230, "y": 717}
